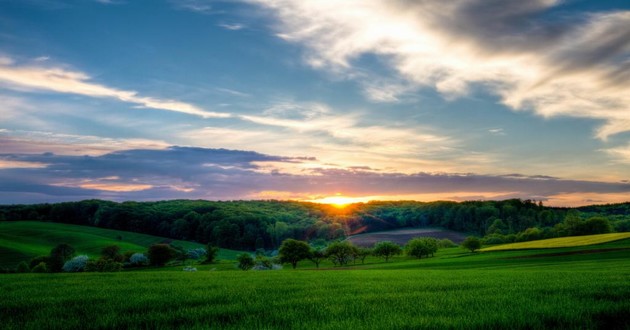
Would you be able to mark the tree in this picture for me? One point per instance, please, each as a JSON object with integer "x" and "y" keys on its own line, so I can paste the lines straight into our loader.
{"x": 293, "y": 251}
{"x": 59, "y": 255}
{"x": 597, "y": 225}
{"x": 160, "y": 254}
{"x": 316, "y": 256}
{"x": 471, "y": 243}
{"x": 138, "y": 259}
{"x": 22, "y": 267}
{"x": 211, "y": 253}
{"x": 340, "y": 253}
{"x": 363, "y": 253}
{"x": 245, "y": 261}
{"x": 417, "y": 247}
{"x": 386, "y": 250}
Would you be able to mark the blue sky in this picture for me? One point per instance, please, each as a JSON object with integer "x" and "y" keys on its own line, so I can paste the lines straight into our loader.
{"x": 308, "y": 100}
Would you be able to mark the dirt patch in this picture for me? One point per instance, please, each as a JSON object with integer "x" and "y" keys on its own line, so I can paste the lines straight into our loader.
{"x": 567, "y": 253}
{"x": 402, "y": 236}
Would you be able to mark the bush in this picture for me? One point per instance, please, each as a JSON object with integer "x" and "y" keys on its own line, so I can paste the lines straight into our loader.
{"x": 76, "y": 264}
{"x": 59, "y": 255}
{"x": 112, "y": 252}
{"x": 138, "y": 259}
{"x": 40, "y": 268}
{"x": 245, "y": 261}
{"x": 37, "y": 260}
{"x": 103, "y": 265}
{"x": 196, "y": 254}
{"x": 22, "y": 267}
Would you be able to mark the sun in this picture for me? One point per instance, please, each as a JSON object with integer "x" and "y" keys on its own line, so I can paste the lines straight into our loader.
{"x": 339, "y": 201}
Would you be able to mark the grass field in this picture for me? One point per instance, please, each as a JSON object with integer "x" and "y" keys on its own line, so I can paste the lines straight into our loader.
{"x": 561, "y": 242}
{"x": 520, "y": 289}
{"x": 23, "y": 240}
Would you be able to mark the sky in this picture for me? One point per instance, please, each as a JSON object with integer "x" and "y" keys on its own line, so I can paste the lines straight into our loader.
{"x": 323, "y": 100}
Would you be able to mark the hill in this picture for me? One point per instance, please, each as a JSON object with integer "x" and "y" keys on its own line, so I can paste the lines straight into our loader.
{"x": 23, "y": 240}
{"x": 402, "y": 236}
{"x": 561, "y": 242}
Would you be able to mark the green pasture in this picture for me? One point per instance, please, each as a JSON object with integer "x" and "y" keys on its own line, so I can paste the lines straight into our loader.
{"x": 23, "y": 240}
{"x": 584, "y": 287}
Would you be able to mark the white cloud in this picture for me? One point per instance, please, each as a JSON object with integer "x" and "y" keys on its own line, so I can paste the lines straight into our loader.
{"x": 620, "y": 153}
{"x": 60, "y": 80}
{"x": 232, "y": 27}
{"x": 573, "y": 66}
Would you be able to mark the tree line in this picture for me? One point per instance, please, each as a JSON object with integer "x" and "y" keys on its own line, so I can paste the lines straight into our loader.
{"x": 252, "y": 225}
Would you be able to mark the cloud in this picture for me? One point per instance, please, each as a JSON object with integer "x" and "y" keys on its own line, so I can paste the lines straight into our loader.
{"x": 60, "y": 80}
{"x": 620, "y": 153}
{"x": 232, "y": 27}
{"x": 197, "y": 6}
{"x": 184, "y": 172}
{"x": 530, "y": 54}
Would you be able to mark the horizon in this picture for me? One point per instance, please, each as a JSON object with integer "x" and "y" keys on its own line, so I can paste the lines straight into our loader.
{"x": 321, "y": 101}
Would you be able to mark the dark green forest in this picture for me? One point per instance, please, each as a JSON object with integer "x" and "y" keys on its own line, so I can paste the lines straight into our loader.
{"x": 250, "y": 225}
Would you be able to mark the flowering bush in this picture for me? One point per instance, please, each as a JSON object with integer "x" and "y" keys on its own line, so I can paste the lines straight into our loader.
{"x": 138, "y": 259}
{"x": 76, "y": 264}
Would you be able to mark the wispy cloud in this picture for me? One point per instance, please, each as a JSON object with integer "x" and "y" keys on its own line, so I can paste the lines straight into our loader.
{"x": 232, "y": 27}
{"x": 574, "y": 66}
{"x": 197, "y": 6}
{"x": 60, "y": 80}
{"x": 620, "y": 153}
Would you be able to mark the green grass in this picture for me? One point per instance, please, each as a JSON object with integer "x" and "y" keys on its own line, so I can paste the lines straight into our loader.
{"x": 561, "y": 242}
{"x": 522, "y": 289}
{"x": 23, "y": 240}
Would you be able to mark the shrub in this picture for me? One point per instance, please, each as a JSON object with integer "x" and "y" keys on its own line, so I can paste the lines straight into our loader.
{"x": 59, "y": 255}
{"x": 103, "y": 265}
{"x": 112, "y": 252}
{"x": 37, "y": 260}
{"x": 76, "y": 264}
{"x": 138, "y": 259}
{"x": 196, "y": 254}
{"x": 245, "y": 261}
{"x": 40, "y": 268}
{"x": 22, "y": 267}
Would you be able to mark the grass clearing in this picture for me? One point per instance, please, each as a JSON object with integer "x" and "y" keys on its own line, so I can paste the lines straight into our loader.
{"x": 23, "y": 240}
{"x": 560, "y": 242}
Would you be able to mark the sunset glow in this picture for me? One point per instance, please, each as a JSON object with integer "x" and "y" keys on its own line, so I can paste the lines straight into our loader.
{"x": 374, "y": 100}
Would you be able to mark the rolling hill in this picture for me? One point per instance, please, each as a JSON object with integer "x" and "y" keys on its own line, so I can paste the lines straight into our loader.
{"x": 23, "y": 240}
{"x": 561, "y": 242}
{"x": 402, "y": 236}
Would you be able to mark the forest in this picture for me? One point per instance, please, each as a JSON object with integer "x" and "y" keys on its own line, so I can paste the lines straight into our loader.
{"x": 251, "y": 225}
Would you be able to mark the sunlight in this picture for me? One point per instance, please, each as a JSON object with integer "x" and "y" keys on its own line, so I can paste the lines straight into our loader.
{"x": 339, "y": 201}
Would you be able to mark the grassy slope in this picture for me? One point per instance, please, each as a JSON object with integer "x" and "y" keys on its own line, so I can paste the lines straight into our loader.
{"x": 455, "y": 289}
{"x": 561, "y": 242}
{"x": 23, "y": 240}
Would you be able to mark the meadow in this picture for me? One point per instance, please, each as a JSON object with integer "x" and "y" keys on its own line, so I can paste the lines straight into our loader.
{"x": 23, "y": 240}
{"x": 521, "y": 289}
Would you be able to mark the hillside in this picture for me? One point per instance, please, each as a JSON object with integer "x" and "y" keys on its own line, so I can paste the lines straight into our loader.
{"x": 402, "y": 236}
{"x": 23, "y": 240}
{"x": 561, "y": 242}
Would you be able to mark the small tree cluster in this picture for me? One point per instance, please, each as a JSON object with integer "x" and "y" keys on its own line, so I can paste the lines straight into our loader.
{"x": 421, "y": 246}
{"x": 471, "y": 243}
{"x": 160, "y": 254}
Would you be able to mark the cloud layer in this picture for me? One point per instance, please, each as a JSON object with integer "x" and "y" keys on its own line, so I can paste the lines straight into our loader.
{"x": 185, "y": 172}
{"x": 571, "y": 65}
